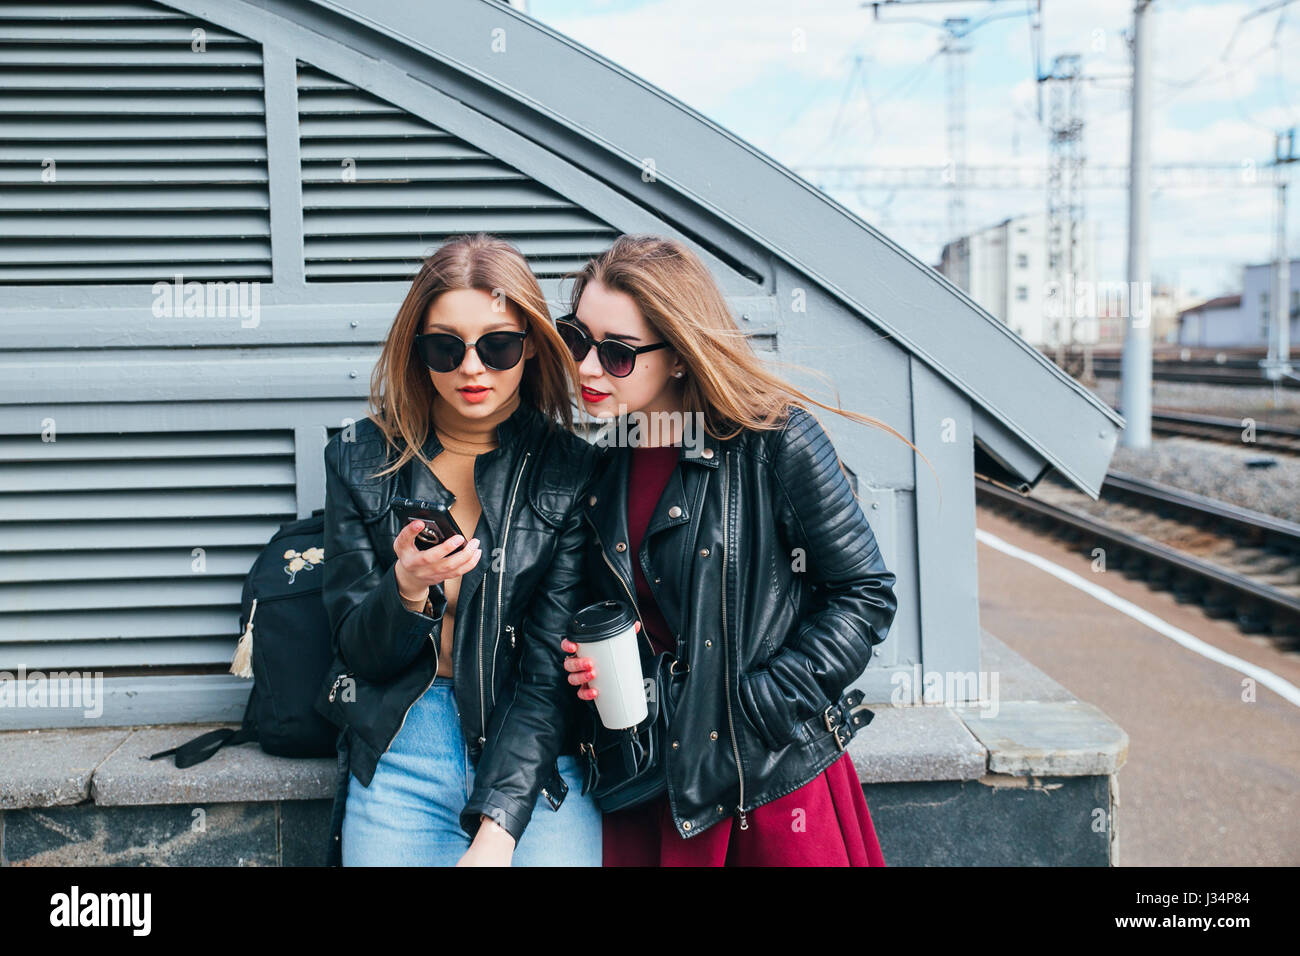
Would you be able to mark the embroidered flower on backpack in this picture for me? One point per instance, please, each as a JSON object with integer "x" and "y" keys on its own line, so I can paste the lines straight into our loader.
{"x": 299, "y": 560}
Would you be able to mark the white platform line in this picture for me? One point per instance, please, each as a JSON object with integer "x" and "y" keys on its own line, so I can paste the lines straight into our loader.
{"x": 1280, "y": 686}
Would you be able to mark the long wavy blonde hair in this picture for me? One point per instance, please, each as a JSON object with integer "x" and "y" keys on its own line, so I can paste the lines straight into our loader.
{"x": 726, "y": 381}
{"x": 401, "y": 392}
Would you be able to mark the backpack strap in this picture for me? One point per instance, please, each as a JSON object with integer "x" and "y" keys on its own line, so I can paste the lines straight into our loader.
{"x": 205, "y": 745}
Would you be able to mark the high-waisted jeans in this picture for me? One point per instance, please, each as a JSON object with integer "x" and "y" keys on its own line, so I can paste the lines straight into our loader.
{"x": 410, "y": 813}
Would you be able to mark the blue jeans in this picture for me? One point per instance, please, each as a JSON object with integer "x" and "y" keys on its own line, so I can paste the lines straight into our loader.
{"x": 410, "y": 813}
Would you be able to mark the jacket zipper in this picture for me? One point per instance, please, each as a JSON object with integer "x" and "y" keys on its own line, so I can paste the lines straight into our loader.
{"x": 505, "y": 539}
{"x": 483, "y": 718}
{"x": 726, "y": 652}
{"x": 337, "y": 681}
{"x": 436, "y": 655}
{"x": 482, "y": 613}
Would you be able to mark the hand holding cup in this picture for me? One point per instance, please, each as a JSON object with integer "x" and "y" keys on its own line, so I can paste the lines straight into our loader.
{"x": 582, "y": 669}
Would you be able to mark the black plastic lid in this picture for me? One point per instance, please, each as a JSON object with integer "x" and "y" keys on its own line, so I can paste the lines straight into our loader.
{"x": 600, "y": 622}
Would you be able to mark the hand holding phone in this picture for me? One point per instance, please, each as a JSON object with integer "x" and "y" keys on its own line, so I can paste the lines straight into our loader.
{"x": 439, "y": 525}
{"x": 433, "y": 554}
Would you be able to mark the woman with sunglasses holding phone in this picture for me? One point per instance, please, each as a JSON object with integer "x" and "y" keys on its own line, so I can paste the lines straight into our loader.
{"x": 457, "y": 736}
{"x": 746, "y": 556}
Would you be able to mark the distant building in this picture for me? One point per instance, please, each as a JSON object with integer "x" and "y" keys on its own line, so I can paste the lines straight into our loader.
{"x": 1005, "y": 269}
{"x": 1241, "y": 321}
{"x": 1214, "y": 322}
{"x": 1256, "y": 301}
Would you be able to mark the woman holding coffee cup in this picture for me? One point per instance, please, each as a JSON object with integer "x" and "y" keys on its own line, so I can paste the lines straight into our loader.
{"x": 726, "y": 525}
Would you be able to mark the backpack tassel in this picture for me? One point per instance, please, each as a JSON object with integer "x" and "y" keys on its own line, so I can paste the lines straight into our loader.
{"x": 242, "y": 663}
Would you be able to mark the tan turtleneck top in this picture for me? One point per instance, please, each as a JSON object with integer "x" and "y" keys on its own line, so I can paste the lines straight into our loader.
{"x": 463, "y": 440}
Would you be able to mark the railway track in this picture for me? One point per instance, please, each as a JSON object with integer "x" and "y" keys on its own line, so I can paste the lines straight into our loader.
{"x": 1201, "y": 373}
{"x": 1282, "y": 439}
{"x": 1237, "y": 564}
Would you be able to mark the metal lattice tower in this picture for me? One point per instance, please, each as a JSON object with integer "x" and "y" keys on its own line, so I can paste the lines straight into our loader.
{"x": 954, "y": 56}
{"x": 1065, "y": 190}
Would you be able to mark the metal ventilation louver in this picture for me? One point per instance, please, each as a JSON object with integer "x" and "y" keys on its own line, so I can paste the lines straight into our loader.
{"x": 381, "y": 188}
{"x": 130, "y": 550}
{"x": 132, "y": 147}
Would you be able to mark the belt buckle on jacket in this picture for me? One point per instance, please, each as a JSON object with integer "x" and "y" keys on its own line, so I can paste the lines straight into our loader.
{"x": 847, "y": 706}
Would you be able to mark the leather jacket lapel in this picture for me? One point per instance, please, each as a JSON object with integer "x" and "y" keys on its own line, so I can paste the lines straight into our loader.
{"x": 608, "y": 514}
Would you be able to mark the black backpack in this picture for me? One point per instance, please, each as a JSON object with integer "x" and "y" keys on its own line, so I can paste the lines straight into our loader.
{"x": 292, "y": 650}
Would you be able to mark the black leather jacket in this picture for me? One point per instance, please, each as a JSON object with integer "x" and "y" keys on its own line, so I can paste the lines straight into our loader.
{"x": 516, "y": 706}
{"x": 766, "y": 569}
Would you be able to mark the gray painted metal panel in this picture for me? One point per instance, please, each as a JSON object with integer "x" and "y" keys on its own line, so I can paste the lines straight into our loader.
{"x": 284, "y": 189}
{"x": 108, "y": 209}
{"x": 129, "y": 701}
{"x": 945, "y": 525}
{"x": 868, "y": 374}
{"x": 376, "y": 217}
{"x": 190, "y": 651}
{"x": 309, "y": 463}
{"x": 1006, "y": 448}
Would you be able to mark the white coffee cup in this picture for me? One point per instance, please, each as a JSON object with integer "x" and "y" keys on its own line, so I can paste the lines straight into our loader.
{"x": 605, "y": 633}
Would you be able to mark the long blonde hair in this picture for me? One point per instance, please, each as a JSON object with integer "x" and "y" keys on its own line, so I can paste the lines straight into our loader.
{"x": 726, "y": 381}
{"x": 401, "y": 392}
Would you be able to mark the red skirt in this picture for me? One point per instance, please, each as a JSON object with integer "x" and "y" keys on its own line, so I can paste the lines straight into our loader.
{"x": 823, "y": 823}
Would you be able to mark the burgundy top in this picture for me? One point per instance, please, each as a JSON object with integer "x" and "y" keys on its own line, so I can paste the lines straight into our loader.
{"x": 823, "y": 823}
{"x": 647, "y": 477}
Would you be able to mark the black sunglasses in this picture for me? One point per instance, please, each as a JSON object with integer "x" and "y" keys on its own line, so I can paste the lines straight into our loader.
{"x": 617, "y": 358}
{"x": 443, "y": 352}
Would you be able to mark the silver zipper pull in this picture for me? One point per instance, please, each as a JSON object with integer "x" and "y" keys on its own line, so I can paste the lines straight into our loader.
{"x": 744, "y": 820}
{"x": 334, "y": 690}
{"x": 510, "y": 629}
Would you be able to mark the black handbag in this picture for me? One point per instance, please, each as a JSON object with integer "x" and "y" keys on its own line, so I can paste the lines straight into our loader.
{"x": 625, "y": 767}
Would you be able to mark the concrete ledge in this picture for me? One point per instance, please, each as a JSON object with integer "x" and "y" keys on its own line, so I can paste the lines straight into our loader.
{"x": 916, "y": 743}
{"x": 1066, "y": 739}
{"x": 1030, "y": 727}
{"x": 1034, "y": 727}
{"x": 945, "y": 782}
{"x": 240, "y": 774}
{"x": 50, "y": 768}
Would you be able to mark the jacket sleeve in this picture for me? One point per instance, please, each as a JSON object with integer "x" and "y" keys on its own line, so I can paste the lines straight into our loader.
{"x": 854, "y": 601}
{"x": 528, "y": 724}
{"x": 374, "y": 633}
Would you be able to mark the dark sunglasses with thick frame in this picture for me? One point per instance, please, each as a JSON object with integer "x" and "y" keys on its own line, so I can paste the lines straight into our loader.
{"x": 617, "y": 358}
{"x": 443, "y": 352}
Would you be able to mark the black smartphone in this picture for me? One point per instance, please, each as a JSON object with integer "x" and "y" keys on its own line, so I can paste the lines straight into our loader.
{"x": 439, "y": 525}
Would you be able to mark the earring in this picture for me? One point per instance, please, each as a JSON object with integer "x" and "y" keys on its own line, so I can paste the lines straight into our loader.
{"x": 678, "y": 374}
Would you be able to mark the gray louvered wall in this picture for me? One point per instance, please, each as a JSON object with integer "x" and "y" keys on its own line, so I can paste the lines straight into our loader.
{"x": 183, "y": 432}
{"x": 129, "y": 550}
{"x": 382, "y": 188}
{"x": 159, "y": 151}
